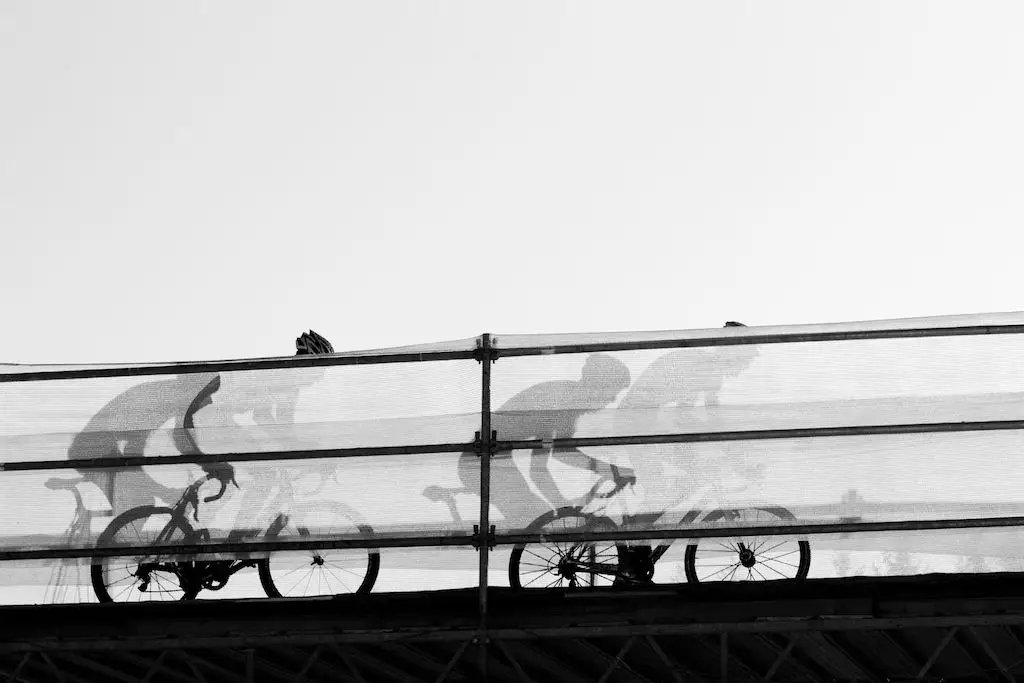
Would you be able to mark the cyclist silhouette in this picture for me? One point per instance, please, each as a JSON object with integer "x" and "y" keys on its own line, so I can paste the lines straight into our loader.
{"x": 126, "y": 425}
{"x": 680, "y": 379}
{"x": 552, "y": 410}
{"x": 549, "y": 410}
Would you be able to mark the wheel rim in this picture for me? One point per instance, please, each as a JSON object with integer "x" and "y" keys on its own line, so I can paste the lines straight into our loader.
{"x": 312, "y": 573}
{"x": 141, "y": 579}
{"x": 750, "y": 558}
{"x": 564, "y": 564}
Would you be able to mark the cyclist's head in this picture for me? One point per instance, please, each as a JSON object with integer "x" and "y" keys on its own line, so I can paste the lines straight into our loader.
{"x": 606, "y": 372}
{"x": 311, "y": 343}
{"x": 737, "y": 358}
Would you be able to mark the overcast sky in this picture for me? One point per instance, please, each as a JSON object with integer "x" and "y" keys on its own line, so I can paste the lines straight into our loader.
{"x": 196, "y": 180}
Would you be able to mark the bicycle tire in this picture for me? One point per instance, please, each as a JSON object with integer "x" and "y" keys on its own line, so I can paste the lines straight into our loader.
{"x": 802, "y": 565}
{"x": 563, "y": 550}
{"x": 106, "y": 539}
{"x": 330, "y": 572}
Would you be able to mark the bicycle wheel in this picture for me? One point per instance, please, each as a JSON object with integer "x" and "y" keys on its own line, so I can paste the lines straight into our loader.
{"x": 308, "y": 573}
{"x": 565, "y": 564}
{"x": 748, "y": 558}
{"x": 137, "y": 579}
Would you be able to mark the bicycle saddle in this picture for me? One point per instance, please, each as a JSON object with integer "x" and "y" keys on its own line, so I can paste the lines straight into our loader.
{"x": 59, "y": 483}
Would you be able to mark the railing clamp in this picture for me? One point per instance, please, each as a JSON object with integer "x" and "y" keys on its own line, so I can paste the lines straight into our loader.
{"x": 492, "y": 446}
{"x": 478, "y": 542}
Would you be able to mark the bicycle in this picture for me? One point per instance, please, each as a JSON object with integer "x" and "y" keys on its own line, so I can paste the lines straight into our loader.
{"x": 152, "y": 577}
{"x": 65, "y": 583}
{"x": 575, "y": 564}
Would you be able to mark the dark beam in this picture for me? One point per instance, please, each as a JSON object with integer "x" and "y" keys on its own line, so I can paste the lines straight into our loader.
{"x": 617, "y": 661}
{"x": 969, "y": 650}
{"x": 153, "y": 369}
{"x": 191, "y": 551}
{"x": 908, "y": 660}
{"x": 781, "y": 658}
{"x": 729, "y": 659}
{"x": 565, "y": 672}
{"x": 222, "y": 674}
{"x": 247, "y": 659}
{"x": 353, "y": 669}
{"x": 184, "y": 656}
{"x": 349, "y": 654}
{"x": 118, "y": 462}
{"x": 146, "y": 663}
{"x": 332, "y": 671}
{"x": 987, "y": 647}
{"x": 752, "y": 336}
{"x": 865, "y": 671}
{"x": 673, "y": 667}
{"x": 53, "y": 666}
{"x": 15, "y": 674}
{"x": 523, "y": 678}
{"x": 775, "y": 530}
{"x": 794, "y": 660}
{"x": 452, "y": 662}
{"x": 299, "y": 677}
{"x": 156, "y": 666}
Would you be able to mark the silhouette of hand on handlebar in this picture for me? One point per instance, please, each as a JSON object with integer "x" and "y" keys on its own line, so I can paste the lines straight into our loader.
{"x": 224, "y": 472}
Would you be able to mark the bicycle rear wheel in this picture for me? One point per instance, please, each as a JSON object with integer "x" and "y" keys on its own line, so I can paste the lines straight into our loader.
{"x": 147, "y": 577}
{"x": 748, "y": 558}
{"x": 309, "y": 573}
{"x": 565, "y": 564}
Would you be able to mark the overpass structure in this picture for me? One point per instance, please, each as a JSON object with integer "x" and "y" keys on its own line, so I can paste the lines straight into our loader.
{"x": 953, "y": 628}
{"x": 493, "y": 443}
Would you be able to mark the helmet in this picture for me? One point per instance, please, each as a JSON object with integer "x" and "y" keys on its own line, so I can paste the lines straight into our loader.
{"x": 733, "y": 323}
{"x": 312, "y": 343}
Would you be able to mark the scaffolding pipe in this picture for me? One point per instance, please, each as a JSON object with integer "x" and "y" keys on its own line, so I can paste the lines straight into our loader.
{"x": 486, "y": 445}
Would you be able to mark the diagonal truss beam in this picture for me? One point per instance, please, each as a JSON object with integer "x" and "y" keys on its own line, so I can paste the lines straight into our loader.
{"x": 618, "y": 661}
{"x": 157, "y": 666}
{"x": 53, "y": 665}
{"x": 987, "y": 647}
{"x": 310, "y": 661}
{"x": 946, "y": 639}
{"x": 781, "y": 658}
{"x": 523, "y": 678}
{"x": 13, "y": 675}
{"x": 672, "y": 666}
{"x": 452, "y": 662}
{"x": 858, "y": 664}
{"x": 350, "y": 663}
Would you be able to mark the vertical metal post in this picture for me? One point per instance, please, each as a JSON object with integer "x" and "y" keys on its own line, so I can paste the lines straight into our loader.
{"x": 486, "y": 450}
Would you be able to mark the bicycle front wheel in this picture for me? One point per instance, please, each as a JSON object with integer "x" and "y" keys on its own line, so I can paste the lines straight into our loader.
{"x": 565, "y": 564}
{"x": 146, "y": 577}
{"x": 748, "y": 558}
{"x": 310, "y": 573}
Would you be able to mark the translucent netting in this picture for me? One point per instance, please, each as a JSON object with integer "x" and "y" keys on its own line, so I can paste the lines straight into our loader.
{"x": 554, "y": 341}
{"x": 624, "y": 394}
{"x": 401, "y": 404}
{"x": 455, "y": 346}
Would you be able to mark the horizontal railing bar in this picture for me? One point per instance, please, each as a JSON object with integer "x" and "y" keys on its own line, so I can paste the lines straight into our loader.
{"x": 508, "y": 446}
{"x": 372, "y": 359}
{"x": 466, "y": 539}
{"x": 251, "y": 548}
{"x": 203, "y": 459}
{"x": 744, "y": 339}
{"x": 777, "y": 530}
{"x": 232, "y": 365}
{"x": 758, "y": 434}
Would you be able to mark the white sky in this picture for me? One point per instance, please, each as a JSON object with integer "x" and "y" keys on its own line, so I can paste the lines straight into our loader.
{"x": 205, "y": 180}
